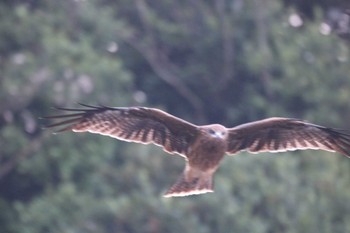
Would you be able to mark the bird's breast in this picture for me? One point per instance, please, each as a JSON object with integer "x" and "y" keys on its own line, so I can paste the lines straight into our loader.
{"x": 207, "y": 153}
{"x": 213, "y": 146}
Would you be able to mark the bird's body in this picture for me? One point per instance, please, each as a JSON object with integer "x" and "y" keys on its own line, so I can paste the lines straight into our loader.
{"x": 203, "y": 147}
{"x": 214, "y": 146}
{"x": 203, "y": 159}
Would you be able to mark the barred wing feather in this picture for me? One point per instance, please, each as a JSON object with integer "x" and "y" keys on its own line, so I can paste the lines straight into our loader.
{"x": 286, "y": 134}
{"x": 134, "y": 124}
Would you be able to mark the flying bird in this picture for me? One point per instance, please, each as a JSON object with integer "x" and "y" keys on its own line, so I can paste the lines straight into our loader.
{"x": 203, "y": 147}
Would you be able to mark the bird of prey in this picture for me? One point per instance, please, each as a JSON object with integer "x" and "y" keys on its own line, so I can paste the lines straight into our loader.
{"x": 203, "y": 147}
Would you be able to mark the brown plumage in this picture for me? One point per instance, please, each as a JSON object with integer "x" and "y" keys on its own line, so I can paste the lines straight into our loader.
{"x": 203, "y": 147}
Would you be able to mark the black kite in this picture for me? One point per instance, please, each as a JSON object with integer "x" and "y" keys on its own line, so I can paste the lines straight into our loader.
{"x": 203, "y": 147}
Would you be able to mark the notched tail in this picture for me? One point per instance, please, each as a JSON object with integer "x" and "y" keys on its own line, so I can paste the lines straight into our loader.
{"x": 191, "y": 183}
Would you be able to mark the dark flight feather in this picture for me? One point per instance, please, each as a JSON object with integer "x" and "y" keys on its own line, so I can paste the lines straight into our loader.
{"x": 285, "y": 134}
{"x": 136, "y": 124}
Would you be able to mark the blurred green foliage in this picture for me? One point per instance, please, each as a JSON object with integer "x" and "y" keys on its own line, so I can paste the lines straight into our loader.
{"x": 221, "y": 61}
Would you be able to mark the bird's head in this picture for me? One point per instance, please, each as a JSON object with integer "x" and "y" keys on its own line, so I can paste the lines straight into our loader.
{"x": 216, "y": 131}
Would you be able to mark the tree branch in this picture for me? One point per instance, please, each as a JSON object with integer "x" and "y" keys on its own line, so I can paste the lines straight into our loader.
{"x": 159, "y": 61}
{"x": 162, "y": 68}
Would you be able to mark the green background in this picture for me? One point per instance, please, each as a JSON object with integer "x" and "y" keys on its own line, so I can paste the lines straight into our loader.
{"x": 223, "y": 61}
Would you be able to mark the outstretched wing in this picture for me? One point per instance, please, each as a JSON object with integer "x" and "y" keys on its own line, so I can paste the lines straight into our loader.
{"x": 134, "y": 124}
{"x": 285, "y": 134}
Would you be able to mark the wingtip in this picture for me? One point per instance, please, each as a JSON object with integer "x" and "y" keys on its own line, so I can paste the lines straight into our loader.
{"x": 87, "y": 105}
{"x": 69, "y": 120}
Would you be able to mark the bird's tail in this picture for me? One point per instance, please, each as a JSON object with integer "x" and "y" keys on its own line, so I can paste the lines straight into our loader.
{"x": 192, "y": 181}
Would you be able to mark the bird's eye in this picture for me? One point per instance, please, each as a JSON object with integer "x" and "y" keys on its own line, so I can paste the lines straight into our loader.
{"x": 211, "y": 131}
